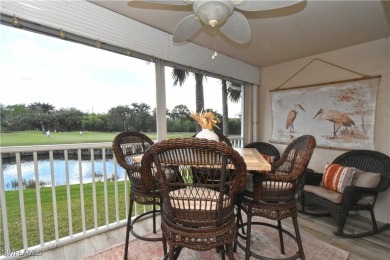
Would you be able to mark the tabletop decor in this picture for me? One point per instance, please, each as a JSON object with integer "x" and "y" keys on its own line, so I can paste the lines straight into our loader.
{"x": 207, "y": 120}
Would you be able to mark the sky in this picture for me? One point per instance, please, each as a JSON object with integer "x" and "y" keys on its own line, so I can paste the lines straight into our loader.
{"x": 37, "y": 68}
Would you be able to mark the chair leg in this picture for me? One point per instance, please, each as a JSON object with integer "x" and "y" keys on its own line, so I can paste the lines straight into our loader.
{"x": 298, "y": 237}
{"x": 128, "y": 229}
{"x": 230, "y": 251}
{"x": 170, "y": 254}
{"x": 154, "y": 219}
{"x": 164, "y": 241}
{"x": 222, "y": 252}
{"x": 374, "y": 225}
{"x": 248, "y": 237}
{"x": 341, "y": 223}
{"x": 176, "y": 252}
{"x": 239, "y": 219}
{"x": 281, "y": 236}
{"x": 242, "y": 222}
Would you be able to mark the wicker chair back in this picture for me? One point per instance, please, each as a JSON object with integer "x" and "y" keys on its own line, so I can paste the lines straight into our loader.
{"x": 196, "y": 214}
{"x": 126, "y": 145}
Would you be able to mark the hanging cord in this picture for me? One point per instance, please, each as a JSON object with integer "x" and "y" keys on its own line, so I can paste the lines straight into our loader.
{"x": 299, "y": 71}
{"x": 215, "y": 44}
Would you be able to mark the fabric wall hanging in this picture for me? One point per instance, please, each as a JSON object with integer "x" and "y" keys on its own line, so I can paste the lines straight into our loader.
{"x": 338, "y": 114}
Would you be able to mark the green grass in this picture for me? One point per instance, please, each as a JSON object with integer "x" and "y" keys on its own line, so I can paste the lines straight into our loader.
{"x": 14, "y": 216}
{"x": 28, "y": 138}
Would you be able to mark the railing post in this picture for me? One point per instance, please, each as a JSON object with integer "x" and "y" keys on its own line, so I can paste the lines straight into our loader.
{"x": 4, "y": 208}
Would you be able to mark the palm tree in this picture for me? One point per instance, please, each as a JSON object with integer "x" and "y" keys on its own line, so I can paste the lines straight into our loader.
{"x": 179, "y": 76}
{"x": 232, "y": 92}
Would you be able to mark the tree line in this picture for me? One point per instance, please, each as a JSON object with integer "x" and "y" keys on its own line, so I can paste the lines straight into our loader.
{"x": 137, "y": 117}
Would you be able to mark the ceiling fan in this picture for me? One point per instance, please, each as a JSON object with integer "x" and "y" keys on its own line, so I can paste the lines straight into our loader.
{"x": 220, "y": 14}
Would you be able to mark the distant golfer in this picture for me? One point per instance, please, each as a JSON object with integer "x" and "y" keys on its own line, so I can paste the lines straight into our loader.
{"x": 48, "y": 133}
{"x": 81, "y": 133}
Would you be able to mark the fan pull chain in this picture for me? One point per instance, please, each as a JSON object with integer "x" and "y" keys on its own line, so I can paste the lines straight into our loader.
{"x": 215, "y": 44}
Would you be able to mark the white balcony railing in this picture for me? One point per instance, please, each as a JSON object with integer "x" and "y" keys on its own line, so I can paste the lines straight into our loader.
{"x": 73, "y": 207}
{"x": 62, "y": 203}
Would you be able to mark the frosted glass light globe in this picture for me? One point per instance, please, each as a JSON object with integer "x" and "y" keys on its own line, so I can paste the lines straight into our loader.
{"x": 213, "y": 13}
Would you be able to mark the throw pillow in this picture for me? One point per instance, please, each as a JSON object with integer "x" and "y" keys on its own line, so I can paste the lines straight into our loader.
{"x": 366, "y": 179}
{"x": 336, "y": 177}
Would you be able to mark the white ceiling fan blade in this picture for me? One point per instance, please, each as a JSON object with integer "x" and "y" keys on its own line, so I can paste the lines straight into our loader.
{"x": 165, "y": 2}
{"x": 260, "y": 5}
{"x": 237, "y": 28}
{"x": 186, "y": 28}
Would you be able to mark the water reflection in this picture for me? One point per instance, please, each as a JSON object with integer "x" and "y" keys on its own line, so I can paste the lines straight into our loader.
{"x": 59, "y": 170}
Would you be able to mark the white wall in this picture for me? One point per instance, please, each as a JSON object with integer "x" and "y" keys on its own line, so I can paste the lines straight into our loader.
{"x": 372, "y": 58}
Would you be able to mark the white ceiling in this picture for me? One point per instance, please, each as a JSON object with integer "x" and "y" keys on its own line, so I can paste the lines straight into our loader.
{"x": 308, "y": 28}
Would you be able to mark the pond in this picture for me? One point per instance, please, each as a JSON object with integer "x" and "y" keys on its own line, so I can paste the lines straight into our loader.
{"x": 59, "y": 169}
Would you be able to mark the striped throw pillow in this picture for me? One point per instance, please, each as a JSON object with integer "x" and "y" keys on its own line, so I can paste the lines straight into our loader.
{"x": 336, "y": 177}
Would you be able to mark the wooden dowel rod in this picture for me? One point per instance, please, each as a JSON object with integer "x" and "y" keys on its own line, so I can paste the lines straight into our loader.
{"x": 328, "y": 83}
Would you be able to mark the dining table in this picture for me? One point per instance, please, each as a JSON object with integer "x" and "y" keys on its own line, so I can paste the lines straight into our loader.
{"x": 254, "y": 161}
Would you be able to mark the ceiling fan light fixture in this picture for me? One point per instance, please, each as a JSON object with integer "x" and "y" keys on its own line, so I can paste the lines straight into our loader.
{"x": 213, "y": 13}
{"x": 221, "y": 16}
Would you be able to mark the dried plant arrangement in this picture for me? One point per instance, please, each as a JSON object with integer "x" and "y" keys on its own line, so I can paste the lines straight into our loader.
{"x": 207, "y": 120}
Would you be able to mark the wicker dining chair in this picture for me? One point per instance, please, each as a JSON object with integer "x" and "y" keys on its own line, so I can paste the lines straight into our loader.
{"x": 268, "y": 151}
{"x": 360, "y": 196}
{"x": 126, "y": 145}
{"x": 272, "y": 196}
{"x": 196, "y": 215}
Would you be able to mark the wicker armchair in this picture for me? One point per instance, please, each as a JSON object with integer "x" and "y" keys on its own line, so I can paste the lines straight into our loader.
{"x": 353, "y": 198}
{"x": 196, "y": 215}
{"x": 272, "y": 196}
{"x": 126, "y": 145}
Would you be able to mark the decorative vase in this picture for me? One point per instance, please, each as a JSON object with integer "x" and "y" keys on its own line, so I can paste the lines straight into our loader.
{"x": 208, "y": 134}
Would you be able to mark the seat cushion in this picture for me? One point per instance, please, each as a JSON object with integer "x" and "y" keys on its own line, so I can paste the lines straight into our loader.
{"x": 366, "y": 179}
{"x": 322, "y": 192}
{"x": 267, "y": 184}
{"x": 336, "y": 177}
{"x": 196, "y": 198}
{"x": 334, "y": 196}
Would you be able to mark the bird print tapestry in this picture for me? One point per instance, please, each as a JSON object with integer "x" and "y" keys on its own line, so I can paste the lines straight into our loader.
{"x": 338, "y": 115}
